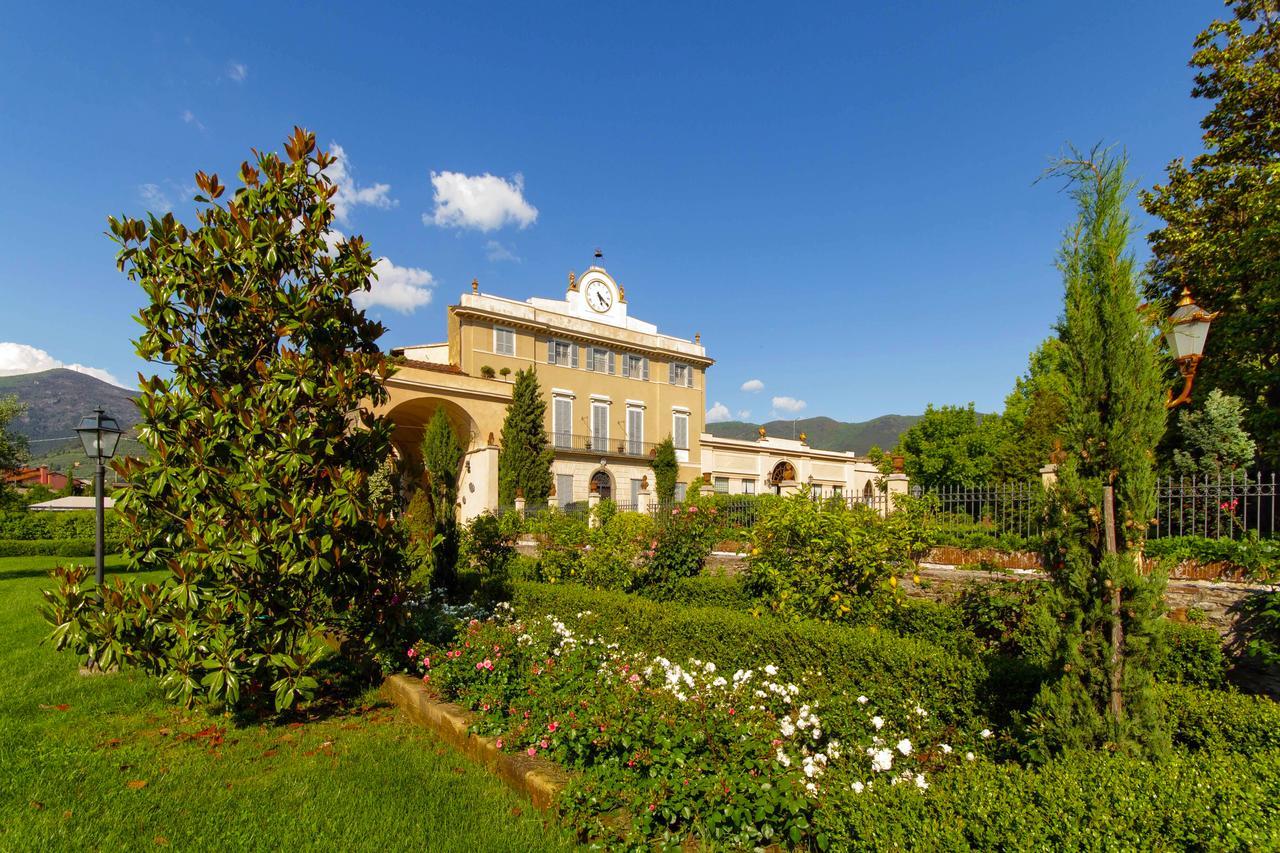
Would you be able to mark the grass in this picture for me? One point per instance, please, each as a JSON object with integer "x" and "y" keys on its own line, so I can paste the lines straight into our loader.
{"x": 106, "y": 763}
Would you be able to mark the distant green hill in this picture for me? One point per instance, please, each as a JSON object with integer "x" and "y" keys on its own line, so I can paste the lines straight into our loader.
{"x": 826, "y": 433}
{"x": 56, "y": 401}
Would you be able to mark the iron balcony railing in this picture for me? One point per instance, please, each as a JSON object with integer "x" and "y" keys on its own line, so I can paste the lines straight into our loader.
{"x": 613, "y": 446}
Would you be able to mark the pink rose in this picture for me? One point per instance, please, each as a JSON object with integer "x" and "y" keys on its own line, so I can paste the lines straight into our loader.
{"x": 552, "y": 726}
{"x": 532, "y": 750}
{"x": 543, "y": 743}
{"x": 412, "y": 653}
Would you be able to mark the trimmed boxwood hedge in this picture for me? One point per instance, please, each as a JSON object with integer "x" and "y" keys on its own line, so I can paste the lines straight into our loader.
{"x": 1221, "y": 720}
{"x": 1092, "y": 801}
{"x": 895, "y": 670}
{"x": 53, "y": 547}
{"x": 56, "y": 525}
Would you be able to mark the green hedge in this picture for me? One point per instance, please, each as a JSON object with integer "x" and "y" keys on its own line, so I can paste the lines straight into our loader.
{"x": 1085, "y": 802}
{"x": 1222, "y": 721}
{"x": 895, "y": 670}
{"x": 56, "y": 525}
{"x": 54, "y": 547}
{"x": 1193, "y": 655}
{"x": 704, "y": 591}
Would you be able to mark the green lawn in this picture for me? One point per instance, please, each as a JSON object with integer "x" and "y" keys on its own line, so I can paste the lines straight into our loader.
{"x": 105, "y": 763}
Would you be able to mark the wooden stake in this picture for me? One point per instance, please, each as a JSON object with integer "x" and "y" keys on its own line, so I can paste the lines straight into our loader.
{"x": 1117, "y": 629}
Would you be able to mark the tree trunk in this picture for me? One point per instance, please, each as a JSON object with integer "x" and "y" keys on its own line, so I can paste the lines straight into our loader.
{"x": 1117, "y": 629}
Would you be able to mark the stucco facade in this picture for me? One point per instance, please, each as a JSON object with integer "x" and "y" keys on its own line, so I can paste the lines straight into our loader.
{"x": 615, "y": 386}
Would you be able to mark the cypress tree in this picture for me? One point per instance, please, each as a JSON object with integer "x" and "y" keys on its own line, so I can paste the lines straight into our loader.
{"x": 524, "y": 462}
{"x": 441, "y": 461}
{"x": 666, "y": 468}
{"x": 1115, "y": 416}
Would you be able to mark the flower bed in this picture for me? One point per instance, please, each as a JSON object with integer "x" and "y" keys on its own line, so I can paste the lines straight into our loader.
{"x": 686, "y": 748}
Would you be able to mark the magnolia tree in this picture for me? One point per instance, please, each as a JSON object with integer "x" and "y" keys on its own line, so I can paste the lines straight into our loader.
{"x": 256, "y": 495}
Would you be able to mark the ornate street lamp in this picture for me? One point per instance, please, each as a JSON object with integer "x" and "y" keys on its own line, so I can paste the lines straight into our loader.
{"x": 99, "y": 433}
{"x": 1188, "y": 329}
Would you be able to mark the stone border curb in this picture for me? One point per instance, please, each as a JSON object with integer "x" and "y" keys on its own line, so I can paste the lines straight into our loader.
{"x": 536, "y": 778}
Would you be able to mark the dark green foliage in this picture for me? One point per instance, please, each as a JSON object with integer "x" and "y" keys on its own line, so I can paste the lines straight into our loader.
{"x": 1191, "y": 655}
{"x": 1212, "y": 438}
{"x": 1258, "y": 557}
{"x": 1031, "y": 424}
{"x": 1220, "y": 721}
{"x": 666, "y": 469}
{"x": 1114, "y": 419}
{"x": 256, "y": 495}
{"x": 1220, "y": 234}
{"x": 441, "y": 463}
{"x": 726, "y": 591}
{"x": 1262, "y": 627}
{"x": 898, "y": 670}
{"x": 950, "y": 446}
{"x": 56, "y": 547}
{"x": 524, "y": 461}
{"x": 57, "y": 525}
{"x": 13, "y": 446}
{"x": 1078, "y": 802}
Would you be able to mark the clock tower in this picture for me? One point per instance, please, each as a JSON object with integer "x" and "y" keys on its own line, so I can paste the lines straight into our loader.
{"x": 596, "y": 296}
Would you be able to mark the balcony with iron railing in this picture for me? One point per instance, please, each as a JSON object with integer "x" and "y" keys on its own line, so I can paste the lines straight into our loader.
{"x": 596, "y": 445}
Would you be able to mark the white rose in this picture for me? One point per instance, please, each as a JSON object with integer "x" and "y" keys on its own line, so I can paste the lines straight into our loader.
{"x": 904, "y": 746}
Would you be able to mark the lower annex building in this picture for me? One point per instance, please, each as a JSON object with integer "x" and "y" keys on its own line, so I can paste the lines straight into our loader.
{"x": 615, "y": 386}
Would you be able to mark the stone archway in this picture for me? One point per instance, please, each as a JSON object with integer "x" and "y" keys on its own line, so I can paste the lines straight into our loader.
{"x": 411, "y": 417}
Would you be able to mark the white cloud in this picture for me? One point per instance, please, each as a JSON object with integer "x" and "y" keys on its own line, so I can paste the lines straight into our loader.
{"x": 237, "y": 71}
{"x": 744, "y": 414}
{"x": 190, "y": 118}
{"x": 399, "y": 288}
{"x": 349, "y": 195}
{"x": 751, "y": 386}
{"x": 718, "y": 412}
{"x": 155, "y": 198}
{"x": 788, "y": 404}
{"x": 16, "y": 359}
{"x": 498, "y": 252}
{"x": 485, "y": 202}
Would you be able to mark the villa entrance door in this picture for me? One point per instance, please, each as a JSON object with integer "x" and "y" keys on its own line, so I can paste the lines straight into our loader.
{"x": 602, "y": 484}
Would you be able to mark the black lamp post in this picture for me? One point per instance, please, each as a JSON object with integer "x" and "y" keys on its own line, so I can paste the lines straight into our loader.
{"x": 99, "y": 433}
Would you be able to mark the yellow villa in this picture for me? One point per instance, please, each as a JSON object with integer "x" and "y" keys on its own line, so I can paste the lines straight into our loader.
{"x": 615, "y": 387}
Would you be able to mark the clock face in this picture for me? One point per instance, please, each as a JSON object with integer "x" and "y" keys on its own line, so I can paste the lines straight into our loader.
{"x": 599, "y": 296}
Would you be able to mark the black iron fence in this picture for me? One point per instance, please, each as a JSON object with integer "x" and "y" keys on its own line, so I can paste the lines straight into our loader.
{"x": 1226, "y": 505}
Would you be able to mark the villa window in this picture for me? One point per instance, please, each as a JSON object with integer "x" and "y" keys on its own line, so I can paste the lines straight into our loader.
{"x": 635, "y": 431}
{"x": 680, "y": 430}
{"x": 599, "y": 425}
{"x": 600, "y": 360}
{"x": 722, "y": 485}
{"x": 680, "y": 374}
{"x": 564, "y": 489}
{"x": 504, "y": 341}
{"x": 682, "y": 491}
{"x": 562, "y": 421}
{"x": 635, "y": 367}
{"x": 748, "y": 487}
{"x": 562, "y": 353}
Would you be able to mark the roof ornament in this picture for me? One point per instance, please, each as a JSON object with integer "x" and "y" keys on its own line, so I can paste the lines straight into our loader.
{"x": 475, "y": 285}
{"x": 697, "y": 337}
{"x": 622, "y": 293}
{"x": 573, "y": 281}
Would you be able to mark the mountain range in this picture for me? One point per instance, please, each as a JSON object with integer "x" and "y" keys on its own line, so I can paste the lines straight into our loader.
{"x": 826, "y": 433}
{"x": 56, "y": 401}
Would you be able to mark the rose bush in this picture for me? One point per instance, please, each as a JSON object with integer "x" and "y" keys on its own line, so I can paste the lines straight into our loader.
{"x": 685, "y": 749}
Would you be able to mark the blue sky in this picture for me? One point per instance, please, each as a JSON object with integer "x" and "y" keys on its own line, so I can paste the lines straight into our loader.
{"x": 839, "y": 198}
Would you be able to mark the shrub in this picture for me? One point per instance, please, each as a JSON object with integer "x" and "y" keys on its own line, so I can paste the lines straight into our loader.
{"x": 1009, "y": 618}
{"x": 1220, "y": 720}
{"x": 808, "y": 561}
{"x": 894, "y": 670}
{"x": 1191, "y": 655}
{"x": 56, "y": 547}
{"x": 704, "y": 591}
{"x": 1258, "y": 557}
{"x": 615, "y": 550}
{"x": 561, "y": 538}
{"x": 1261, "y": 627}
{"x": 1083, "y": 801}
{"x": 58, "y": 525}
{"x": 682, "y": 543}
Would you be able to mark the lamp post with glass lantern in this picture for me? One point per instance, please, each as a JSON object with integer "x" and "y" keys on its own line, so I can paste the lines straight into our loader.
{"x": 1188, "y": 330}
{"x": 99, "y": 433}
